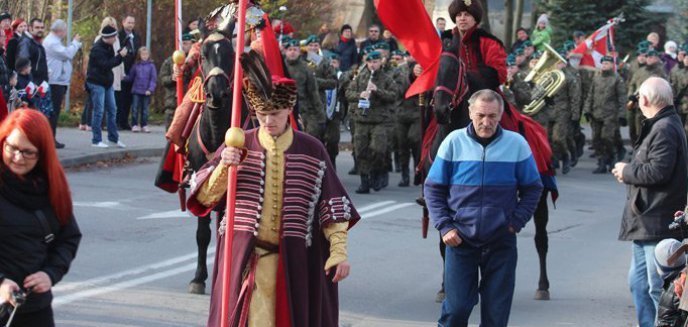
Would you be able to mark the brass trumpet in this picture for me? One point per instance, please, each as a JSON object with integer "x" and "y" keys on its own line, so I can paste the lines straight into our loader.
{"x": 547, "y": 78}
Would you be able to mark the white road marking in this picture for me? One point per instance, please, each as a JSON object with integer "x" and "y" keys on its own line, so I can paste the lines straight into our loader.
{"x": 106, "y": 204}
{"x": 368, "y": 215}
{"x": 166, "y": 215}
{"x": 65, "y": 287}
{"x": 66, "y": 299}
{"x": 374, "y": 206}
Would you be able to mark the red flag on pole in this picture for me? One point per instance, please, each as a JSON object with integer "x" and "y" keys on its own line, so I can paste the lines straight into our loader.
{"x": 597, "y": 45}
{"x": 411, "y": 25}
{"x": 271, "y": 51}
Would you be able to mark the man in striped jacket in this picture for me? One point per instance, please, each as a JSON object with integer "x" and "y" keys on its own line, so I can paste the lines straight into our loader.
{"x": 481, "y": 190}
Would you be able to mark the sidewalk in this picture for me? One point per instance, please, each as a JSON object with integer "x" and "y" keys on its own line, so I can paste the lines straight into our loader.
{"x": 78, "y": 149}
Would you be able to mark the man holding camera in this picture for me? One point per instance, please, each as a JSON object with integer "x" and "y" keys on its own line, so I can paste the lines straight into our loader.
{"x": 656, "y": 179}
{"x": 375, "y": 93}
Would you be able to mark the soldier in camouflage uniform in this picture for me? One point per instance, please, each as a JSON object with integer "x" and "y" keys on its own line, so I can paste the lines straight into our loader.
{"x": 564, "y": 109}
{"x": 577, "y": 138}
{"x": 679, "y": 84}
{"x": 346, "y": 79}
{"x": 311, "y": 109}
{"x": 604, "y": 108}
{"x": 408, "y": 131}
{"x": 653, "y": 67}
{"x": 374, "y": 96}
{"x": 400, "y": 77}
{"x": 169, "y": 82}
{"x": 326, "y": 79}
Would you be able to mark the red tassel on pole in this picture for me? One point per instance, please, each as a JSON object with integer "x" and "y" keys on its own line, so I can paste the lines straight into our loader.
{"x": 233, "y": 138}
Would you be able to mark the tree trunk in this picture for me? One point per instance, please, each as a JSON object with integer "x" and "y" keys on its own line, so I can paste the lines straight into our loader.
{"x": 508, "y": 22}
{"x": 519, "y": 14}
{"x": 486, "y": 17}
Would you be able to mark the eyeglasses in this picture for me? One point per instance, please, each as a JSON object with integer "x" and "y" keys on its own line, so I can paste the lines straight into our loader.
{"x": 26, "y": 154}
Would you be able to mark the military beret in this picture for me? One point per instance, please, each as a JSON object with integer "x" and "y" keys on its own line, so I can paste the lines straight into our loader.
{"x": 288, "y": 43}
{"x": 683, "y": 48}
{"x": 511, "y": 60}
{"x": 398, "y": 53}
{"x": 607, "y": 58}
{"x": 373, "y": 55}
{"x": 381, "y": 46}
{"x": 527, "y": 43}
{"x": 333, "y": 56}
{"x": 644, "y": 44}
{"x": 569, "y": 45}
{"x": 642, "y": 50}
{"x": 652, "y": 53}
{"x": 536, "y": 55}
{"x": 187, "y": 37}
{"x": 578, "y": 33}
{"x": 311, "y": 39}
{"x": 562, "y": 51}
{"x": 518, "y": 51}
{"x": 368, "y": 49}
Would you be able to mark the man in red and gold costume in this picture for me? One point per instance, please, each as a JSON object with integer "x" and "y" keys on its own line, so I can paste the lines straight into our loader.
{"x": 291, "y": 223}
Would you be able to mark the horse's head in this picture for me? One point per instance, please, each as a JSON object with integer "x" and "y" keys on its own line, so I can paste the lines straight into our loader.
{"x": 450, "y": 86}
{"x": 217, "y": 63}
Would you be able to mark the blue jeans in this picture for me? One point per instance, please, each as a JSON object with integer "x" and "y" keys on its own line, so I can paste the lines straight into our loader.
{"x": 645, "y": 283}
{"x": 140, "y": 107}
{"x": 488, "y": 271}
{"x": 103, "y": 99}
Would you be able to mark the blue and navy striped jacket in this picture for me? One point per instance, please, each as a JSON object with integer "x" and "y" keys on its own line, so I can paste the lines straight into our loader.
{"x": 482, "y": 190}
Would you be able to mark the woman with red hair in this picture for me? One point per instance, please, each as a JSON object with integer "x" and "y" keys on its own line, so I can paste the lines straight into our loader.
{"x": 19, "y": 26}
{"x": 39, "y": 236}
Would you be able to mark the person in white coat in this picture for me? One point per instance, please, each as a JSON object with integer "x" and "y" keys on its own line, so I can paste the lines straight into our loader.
{"x": 59, "y": 59}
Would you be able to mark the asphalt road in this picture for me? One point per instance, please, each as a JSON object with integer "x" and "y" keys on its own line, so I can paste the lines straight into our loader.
{"x": 138, "y": 254}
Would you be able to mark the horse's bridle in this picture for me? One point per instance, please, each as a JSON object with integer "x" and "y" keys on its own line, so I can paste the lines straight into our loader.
{"x": 216, "y": 71}
{"x": 456, "y": 96}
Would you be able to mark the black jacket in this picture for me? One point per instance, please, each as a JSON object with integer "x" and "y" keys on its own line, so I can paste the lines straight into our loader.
{"x": 657, "y": 179}
{"x": 23, "y": 251}
{"x": 33, "y": 50}
{"x": 348, "y": 54}
{"x": 5, "y": 73}
{"x": 668, "y": 312}
{"x": 101, "y": 61}
{"x": 132, "y": 45}
{"x": 11, "y": 51}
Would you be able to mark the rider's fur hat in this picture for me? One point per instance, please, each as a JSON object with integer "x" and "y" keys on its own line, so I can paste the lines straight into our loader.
{"x": 473, "y": 7}
{"x": 266, "y": 92}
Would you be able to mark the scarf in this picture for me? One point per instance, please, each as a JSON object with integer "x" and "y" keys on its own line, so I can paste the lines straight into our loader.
{"x": 29, "y": 192}
{"x": 343, "y": 39}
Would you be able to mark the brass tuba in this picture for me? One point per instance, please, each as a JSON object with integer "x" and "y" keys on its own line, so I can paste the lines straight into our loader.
{"x": 547, "y": 78}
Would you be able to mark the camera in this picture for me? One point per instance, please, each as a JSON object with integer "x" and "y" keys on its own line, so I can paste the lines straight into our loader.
{"x": 679, "y": 222}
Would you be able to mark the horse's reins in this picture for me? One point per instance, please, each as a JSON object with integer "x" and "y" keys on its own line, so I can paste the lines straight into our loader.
{"x": 455, "y": 96}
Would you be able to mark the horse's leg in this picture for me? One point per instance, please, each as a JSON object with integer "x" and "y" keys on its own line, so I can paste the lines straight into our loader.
{"x": 541, "y": 218}
{"x": 197, "y": 285}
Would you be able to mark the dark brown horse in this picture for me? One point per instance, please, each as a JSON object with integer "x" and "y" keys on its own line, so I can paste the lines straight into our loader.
{"x": 208, "y": 134}
{"x": 450, "y": 109}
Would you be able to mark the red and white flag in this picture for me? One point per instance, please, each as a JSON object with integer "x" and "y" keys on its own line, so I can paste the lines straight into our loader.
{"x": 598, "y": 45}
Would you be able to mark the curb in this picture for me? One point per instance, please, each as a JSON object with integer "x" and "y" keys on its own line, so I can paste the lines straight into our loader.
{"x": 111, "y": 155}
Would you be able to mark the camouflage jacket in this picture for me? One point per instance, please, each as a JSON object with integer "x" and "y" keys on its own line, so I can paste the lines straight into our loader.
{"x": 169, "y": 84}
{"x": 679, "y": 85}
{"x": 520, "y": 89}
{"x": 381, "y": 101}
{"x": 309, "y": 102}
{"x": 607, "y": 96}
{"x": 644, "y": 73}
{"x": 566, "y": 102}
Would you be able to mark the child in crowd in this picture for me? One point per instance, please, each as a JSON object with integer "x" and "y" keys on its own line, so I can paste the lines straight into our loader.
{"x": 144, "y": 76}
{"x": 674, "y": 277}
{"x": 24, "y": 86}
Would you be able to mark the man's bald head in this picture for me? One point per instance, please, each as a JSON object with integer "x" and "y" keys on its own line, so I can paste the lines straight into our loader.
{"x": 654, "y": 94}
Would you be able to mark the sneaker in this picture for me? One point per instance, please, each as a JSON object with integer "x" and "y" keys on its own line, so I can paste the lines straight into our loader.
{"x": 120, "y": 144}
{"x": 82, "y": 127}
{"x": 100, "y": 145}
{"x": 88, "y": 128}
{"x": 59, "y": 145}
{"x": 145, "y": 129}
{"x": 135, "y": 128}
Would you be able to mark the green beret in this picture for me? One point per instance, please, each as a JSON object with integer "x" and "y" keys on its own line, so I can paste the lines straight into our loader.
{"x": 511, "y": 60}
{"x": 187, "y": 37}
{"x": 527, "y": 43}
{"x": 683, "y": 48}
{"x": 644, "y": 44}
{"x": 607, "y": 58}
{"x": 397, "y": 53}
{"x": 642, "y": 51}
{"x": 368, "y": 49}
{"x": 562, "y": 52}
{"x": 288, "y": 43}
{"x": 312, "y": 39}
{"x": 333, "y": 56}
{"x": 536, "y": 55}
{"x": 381, "y": 46}
{"x": 569, "y": 45}
{"x": 652, "y": 53}
{"x": 374, "y": 55}
{"x": 518, "y": 51}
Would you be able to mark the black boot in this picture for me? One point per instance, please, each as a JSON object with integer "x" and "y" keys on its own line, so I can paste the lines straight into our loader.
{"x": 620, "y": 153}
{"x": 601, "y": 167}
{"x": 376, "y": 181}
{"x": 354, "y": 169}
{"x": 397, "y": 162}
{"x": 405, "y": 178}
{"x": 574, "y": 161}
{"x": 384, "y": 179}
{"x": 364, "y": 188}
{"x": 565, "y": 165}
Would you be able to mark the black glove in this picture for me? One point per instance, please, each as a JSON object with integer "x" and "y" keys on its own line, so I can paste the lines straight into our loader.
{"x": 633, "y": 97}
{"x": 623, "y": 121}
{"x": 588, "y": 117}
